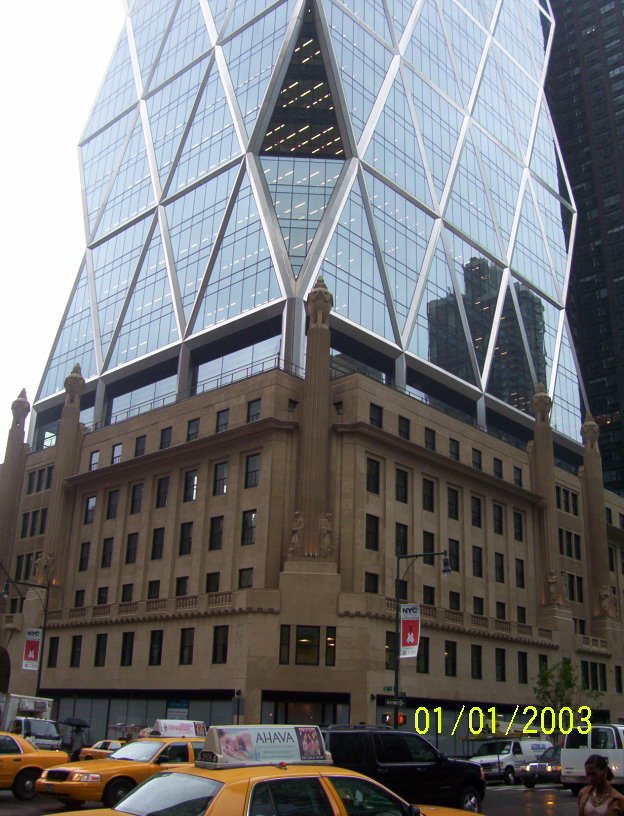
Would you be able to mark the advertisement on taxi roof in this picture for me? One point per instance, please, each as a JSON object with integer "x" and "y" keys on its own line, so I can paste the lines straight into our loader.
{"x": 271, "y": 744}
{"x": 410, "y": 630}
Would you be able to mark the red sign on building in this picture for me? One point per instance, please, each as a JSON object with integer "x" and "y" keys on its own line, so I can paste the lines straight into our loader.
{"x": 32, "y": 649}
{"x": 410, "y": 630}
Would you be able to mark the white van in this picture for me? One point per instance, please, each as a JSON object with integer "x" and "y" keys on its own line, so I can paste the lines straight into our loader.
{"x": 502, "y": 758}
{"x": 606, "y": 740}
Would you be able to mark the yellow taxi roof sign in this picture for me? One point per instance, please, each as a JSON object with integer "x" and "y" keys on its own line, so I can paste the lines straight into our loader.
{"x": 236, "y": 745}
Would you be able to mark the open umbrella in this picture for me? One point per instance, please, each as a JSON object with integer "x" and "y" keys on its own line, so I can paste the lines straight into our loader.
{"x": 75, "y": 721}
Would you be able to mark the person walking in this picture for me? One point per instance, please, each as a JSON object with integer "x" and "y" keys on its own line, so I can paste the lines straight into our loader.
{"x": 599, "y": 798}
{"x": 77, "y": 743}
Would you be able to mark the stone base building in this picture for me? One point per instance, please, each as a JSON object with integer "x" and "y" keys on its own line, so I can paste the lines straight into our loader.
{"x": 232, "y": 556}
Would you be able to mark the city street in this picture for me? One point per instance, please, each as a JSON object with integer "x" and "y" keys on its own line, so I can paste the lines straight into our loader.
{"x": 500, "y": 801}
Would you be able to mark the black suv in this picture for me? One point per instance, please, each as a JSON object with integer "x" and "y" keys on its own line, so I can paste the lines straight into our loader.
{"x": 407, "y": 764}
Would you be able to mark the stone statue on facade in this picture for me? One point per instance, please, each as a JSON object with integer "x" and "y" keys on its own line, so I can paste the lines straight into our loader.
{"x": 325, "y": 535}
{"x": 607, "y": 602}
{"x": 319, "y": 304}
{"x": 295, "y": 537}
{"x": 553, "y": 587}
{"x": 541, "y": 404}
{"x": 590, "y": 432}
{"x": 74, "y": 384}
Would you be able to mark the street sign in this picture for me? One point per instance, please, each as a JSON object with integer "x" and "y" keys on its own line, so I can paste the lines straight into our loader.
{"x": 395, "y": 702}
{"x": 388, "y": 688}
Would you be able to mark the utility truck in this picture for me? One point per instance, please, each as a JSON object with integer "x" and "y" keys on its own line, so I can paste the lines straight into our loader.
{"x": 30, "y": 718}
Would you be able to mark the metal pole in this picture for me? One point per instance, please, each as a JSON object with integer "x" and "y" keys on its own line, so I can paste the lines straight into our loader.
{"x": 43, "y": 634}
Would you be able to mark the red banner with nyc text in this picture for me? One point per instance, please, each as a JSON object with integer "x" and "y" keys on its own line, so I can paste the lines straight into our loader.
{"x": 410, "y": 630}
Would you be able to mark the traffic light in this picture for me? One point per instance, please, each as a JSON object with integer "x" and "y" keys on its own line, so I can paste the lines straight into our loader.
{"x": 402, "y": 719}
{"x": 386, "y": 718}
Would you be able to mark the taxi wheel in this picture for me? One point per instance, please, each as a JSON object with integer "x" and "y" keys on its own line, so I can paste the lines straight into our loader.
{"x": 116, "y": 790}
{"x": 509, "y": 777}
{"x": 24, "y": 784}
{"x": 470, "y": 800}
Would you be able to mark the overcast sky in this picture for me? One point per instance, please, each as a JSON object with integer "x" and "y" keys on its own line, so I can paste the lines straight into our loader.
{"x": 53, "y": 56}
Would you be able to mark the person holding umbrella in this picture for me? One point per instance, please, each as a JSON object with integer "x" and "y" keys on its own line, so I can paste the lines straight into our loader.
{"x": 78, "y": 739}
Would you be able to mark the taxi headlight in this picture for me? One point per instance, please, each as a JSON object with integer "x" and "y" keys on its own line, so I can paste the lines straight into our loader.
{"x": 524, "y": 768}
{"x": 80, "y": 776}
{"x": 44, "y": 774}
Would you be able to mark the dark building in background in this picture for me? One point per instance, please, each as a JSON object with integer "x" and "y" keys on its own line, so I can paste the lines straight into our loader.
{"x": 586, "y": 95}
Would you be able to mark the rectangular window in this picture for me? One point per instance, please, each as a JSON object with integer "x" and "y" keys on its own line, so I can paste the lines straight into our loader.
{"x": 477, "y": 561}
{"x": 252, "y": 470}
{"x": 116, "y": 453}
{"x": 182, "y": 586}
{"x": 499, "y": 660}
{"x": 542, "y": 662}
{"x": 49, "y": 475}
{"x": 391, "y": 656}
{"x": 428, "y": 495}
{"x": 132, "y": 543}
{"x": 79, "y": 598}
{"x": 284, "y": 645}
{"x": 478, "y": 605}
{"x": 611, "y": 555}
{"x": 156, "y": 647}
{"x": 497, "y": 516}
{"x": 253, "y": 410}
{"x": 107, "y": 553}
{"x": 372, "y": 532}
{"x": 158, "y": 543}
{"x": 498, "y": 468}
{"x": 501, "y": 610}
{"x": 223, "y": 420}
{"x": 452, "y": 503}
{"x": 53, "y": 649}
{"x": 32, "y": 481}
{"x": 139, "y": 445}
{"x": 34, "y": 522}
{"x": 187, "y": 638}
{"x": 371, "y": 582}
{"x": 330, "y": 646}
{"x": 127, "y": 648}
{"x": 213, "y": 580}
{"x": 376, "y": 415}
{"x": 162, "y": 491}
{"x": 454, "y": 449}
{"x": 372, "y": 475}
{"x": 89, "y": 510}
{"x": 499, "y": 568}
{"x": 245, "y": 578}
{"x": 215, "y": 537}
{"x": 165, "y": 438}
{"x": 186, "y": 538}
{"x": 520, "y": 573}
{"x": 454, "y": 600}
{"x": 219, "y": 483}
{"x": 74, "y": 654}
{"x": 248, "y": 527}
{"x": 476, "y": 662}
{"x": 127, "y": 591}
{"x": 517, "y": 476}
{"x": 450, "y": 658}
{"x": 404, "y": 427}
{"x": 521, "y": 614}
{"x": 428, "y": 547}
{"x": 400, "y": 538}
{"x": 307, "y": 645}
{"x": 190, "y": 486}
{"x": 25, "y": 519}
{"x": 192, "y": 430}
{"x": 477, "y": 460}
{"x": 40, "y": 479}
{"x": 401, "y": 485}
{"x": 618, "y": 679}
{"x": 401, "y": 590}
{"x": 19, "y": 566}
{"x": 422, "y": 660}
{"x": 94, "y": 461}
{"x": 102, "y": 596}
{"x": 430, "y": 439}
{"x": 153, "y": 590}
{"x": 83, "y": 560}
{"x": 518, "y": 526}
{"x": 220, "y": 644}
{"x": 453, "y": 554}
{"x": 523, "y": 667}
{"x": 428, "y": 595}
{"x": 101, "y": 642}
{"x": 475, "y": 506}
{"x": 136, "y": 498}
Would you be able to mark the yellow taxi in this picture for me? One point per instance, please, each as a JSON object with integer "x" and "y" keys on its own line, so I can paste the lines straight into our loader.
{"x": 264, "y": 771}
{"x": 108, "y": 780}
{"x": 21, "y": 764}
{"x": 101, "y": 749}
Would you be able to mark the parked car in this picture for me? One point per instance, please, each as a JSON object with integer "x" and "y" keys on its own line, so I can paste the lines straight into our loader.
{"x": 547, "y": 768}
{"x": 101, "y": 749}
{"x": 21, "y": 763}
{"x": 502, "y": 758}
{"x": 407, "y": 764}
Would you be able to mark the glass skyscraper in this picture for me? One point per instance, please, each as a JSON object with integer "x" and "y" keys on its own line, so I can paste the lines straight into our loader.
{"x": 402, "y": 150}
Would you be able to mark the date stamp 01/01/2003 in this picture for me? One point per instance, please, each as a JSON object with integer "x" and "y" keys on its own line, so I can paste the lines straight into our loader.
{"x": 490, "y": 722}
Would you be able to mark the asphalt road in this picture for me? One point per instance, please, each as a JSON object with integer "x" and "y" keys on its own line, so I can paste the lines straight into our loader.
{"x": 500, "y": 800}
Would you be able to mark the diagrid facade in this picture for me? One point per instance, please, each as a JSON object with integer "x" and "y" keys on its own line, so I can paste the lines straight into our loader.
{"x": 404, "y": 151}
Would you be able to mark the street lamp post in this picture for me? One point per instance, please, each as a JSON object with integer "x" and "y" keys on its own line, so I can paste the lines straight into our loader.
{"x": 9, "y": 581}
{"x": 446, "y": 570}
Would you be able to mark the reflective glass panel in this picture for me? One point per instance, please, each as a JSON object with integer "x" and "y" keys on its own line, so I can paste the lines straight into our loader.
{"x": 372, "y": 13}
{"x": 429, "y": 53}
{"x": 147, "y": 398}
{"x": 403, "y": 231}
{"x": 118, "y": 91}
{"x": 243, "y": 276}
{"x": 238, "y": 365}
{"x": 481, "y": 10}
{"x": 244, "y": 11}
{"x": 300, "y": 189}
{"x": 218, "y": 9}
{"x": 467, "y": 42}
{"x": 75, "y": 341}
{"x": 400, "y": 11}
{"x": 544, "y": 159}
{"x": 519, "y": 31}
{"x": 522, "y": 93}
{"x": 529, "y": 256}
{"x": 556, "y": 220}
{"x": 351, "y": 272}
{"x": 186, "y": 40}
{"x": 149, "y": 322}
{"x": 567, "y": 400}
{"x": 194, "y": 220}
{"x": 491, "y": 108}
{"x": 541, "y": 323}
{"x": 148, "y": 26}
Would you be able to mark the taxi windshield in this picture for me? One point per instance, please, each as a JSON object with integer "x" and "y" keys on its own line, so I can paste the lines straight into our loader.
{"x": 494, "y": 747}
{"x": 171, "y": 794}
{"x": 139, "y": 751}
